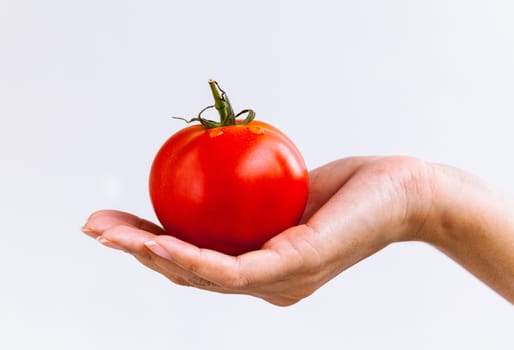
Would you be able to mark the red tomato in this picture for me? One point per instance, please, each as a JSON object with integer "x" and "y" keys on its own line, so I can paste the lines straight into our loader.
{"x": 228, "y": 187}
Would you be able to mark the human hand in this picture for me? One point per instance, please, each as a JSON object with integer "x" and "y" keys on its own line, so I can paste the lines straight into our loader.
{"x": 356, "y": 207}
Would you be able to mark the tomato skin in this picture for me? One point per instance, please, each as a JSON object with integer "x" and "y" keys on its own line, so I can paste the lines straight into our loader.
{"x": 229, "y": 188}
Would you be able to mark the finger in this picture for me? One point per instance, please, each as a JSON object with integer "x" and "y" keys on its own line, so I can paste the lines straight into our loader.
{"x": 255, "y": 272}
{"x": 175, "y": 272}
{"x": 326, "y": 180}
{"x": 103, "y": 220}
{"x": 242, "y": 274}
{"x": 153, "y": 264}
{"x": 209, "y": 270}
{"x": 129, "y": 238}
{"x": 132, "y": 241}
{"x": 281, "y": 301}
{"x": 280, "y": 295}
{"x": 210, "y": 265}
{"x": 135, "y": 241}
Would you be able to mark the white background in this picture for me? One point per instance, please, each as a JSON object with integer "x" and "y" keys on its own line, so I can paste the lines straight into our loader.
{"x": 87, "y": 91}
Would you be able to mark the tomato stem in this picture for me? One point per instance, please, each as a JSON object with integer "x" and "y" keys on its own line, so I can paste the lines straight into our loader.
{"x": 222, "y": 104}
{"x": 224, "y": 108}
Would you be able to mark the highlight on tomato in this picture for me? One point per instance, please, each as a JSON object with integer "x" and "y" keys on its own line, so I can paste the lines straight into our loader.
{"x": 228, "y": 185}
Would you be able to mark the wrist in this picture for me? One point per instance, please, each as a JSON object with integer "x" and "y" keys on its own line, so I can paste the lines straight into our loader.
{"x": 443, "y": 211}
{"x": 420, "y": 191}
{"x": 473, "y": 224}
{"x": 438, "y": 203}
{"x": 460, "y": 206}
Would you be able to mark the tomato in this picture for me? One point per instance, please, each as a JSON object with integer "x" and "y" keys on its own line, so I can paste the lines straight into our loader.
{"x": 229, "y": 185}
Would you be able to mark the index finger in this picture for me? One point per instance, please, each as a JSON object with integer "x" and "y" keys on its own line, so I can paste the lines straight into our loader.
{"x": 270, "y": 264}
{"x": 103, "y": 220}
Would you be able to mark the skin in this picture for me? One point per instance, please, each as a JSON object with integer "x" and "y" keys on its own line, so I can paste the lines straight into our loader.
{"x": 357, "y": 206}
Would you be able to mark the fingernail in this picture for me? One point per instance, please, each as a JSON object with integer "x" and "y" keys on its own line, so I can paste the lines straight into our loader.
{"x": 104, "y": 241}
{"x": 88, "y": 231}
{"x": 158, "y": 249}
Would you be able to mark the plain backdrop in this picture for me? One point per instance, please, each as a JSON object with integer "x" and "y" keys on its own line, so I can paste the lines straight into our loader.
{"x": 87, "y": 92}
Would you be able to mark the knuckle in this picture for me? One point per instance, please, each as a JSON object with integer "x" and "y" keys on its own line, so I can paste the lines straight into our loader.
{"x": 237, "y": 283}
{"x": 201, "y": 282}
{"x": 282, "y": 301}
{"x": 179, "y": 281}
{"x": 193, "y": 267}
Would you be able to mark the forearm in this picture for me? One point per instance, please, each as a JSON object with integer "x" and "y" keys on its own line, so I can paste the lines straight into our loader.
{"x": 474, "y": 225}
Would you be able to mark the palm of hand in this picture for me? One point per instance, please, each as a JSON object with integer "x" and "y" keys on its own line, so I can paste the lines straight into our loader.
{"x": 356, "y": 207}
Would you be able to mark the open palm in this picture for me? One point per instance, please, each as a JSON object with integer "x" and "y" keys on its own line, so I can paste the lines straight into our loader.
{"x": 356, "y": 207}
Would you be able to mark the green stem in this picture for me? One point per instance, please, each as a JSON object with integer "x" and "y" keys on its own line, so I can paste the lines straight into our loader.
{"x": 224, "y": 108}
{"x": 222, "y": 104}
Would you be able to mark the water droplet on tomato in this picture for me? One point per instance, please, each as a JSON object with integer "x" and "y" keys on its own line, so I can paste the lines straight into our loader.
{"x": 256, "y": 130}
{"x": 215, "y": 133}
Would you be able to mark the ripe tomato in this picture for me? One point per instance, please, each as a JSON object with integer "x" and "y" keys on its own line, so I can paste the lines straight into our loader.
{"x": 230, "y": 185}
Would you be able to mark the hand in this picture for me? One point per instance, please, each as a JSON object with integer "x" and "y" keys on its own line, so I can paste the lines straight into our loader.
{"x": 356, "y": 207}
